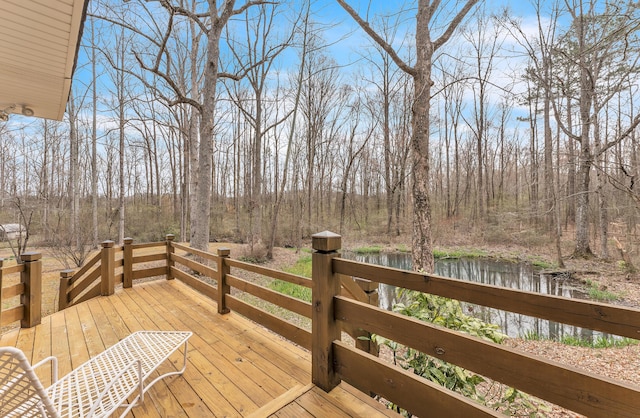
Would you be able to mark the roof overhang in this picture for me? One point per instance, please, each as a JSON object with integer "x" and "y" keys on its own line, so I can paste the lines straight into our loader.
{"x": 39, "y": 42}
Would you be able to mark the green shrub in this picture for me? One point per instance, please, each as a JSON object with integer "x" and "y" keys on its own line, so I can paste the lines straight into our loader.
{"x": 449, "y": 313}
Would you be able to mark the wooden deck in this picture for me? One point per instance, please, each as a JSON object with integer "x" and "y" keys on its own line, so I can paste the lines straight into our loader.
{"x": 235, "y": 367}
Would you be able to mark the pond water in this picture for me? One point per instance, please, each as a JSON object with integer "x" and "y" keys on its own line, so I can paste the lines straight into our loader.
{"x": 499, "y": 273}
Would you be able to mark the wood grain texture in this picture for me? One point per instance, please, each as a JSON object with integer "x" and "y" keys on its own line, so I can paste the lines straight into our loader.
{"x": 566, "y": 386}
{"x": 419, "y": 396}
{"x": 234, "y": 365}
{"x": 587, "y": 314}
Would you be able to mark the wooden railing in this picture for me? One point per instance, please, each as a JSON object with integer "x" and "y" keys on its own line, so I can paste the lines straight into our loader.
{"x": 202, "y": 277}
{"x": 21, "y": 296}
{"x": 331, "y": 312}
{"x": 569, "y": 387}
{"x": 112, "y": 265}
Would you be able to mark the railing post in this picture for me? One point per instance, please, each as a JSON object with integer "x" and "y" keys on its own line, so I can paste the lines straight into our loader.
{"x": 170, "y": 250}
{"x": 223, "y": 287}
{"x": 65, "y": 282}
{"x": 324, "y": 329}
{"x": 31, "y": 299}
{"x": 1, "y": 287}
{"x": 107, "y": 269}
{"x": 127, "y": 267}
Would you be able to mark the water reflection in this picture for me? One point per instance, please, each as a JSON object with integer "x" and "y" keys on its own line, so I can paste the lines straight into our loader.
{"x": 498, "y": 273}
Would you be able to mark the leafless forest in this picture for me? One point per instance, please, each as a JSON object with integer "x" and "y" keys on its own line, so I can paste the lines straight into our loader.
{"x": 264, "y": 122}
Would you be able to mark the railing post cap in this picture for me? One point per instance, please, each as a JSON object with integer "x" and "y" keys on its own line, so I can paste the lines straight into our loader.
{"x": 107, "y": 244}
{"x": 66, "y": 273}
{"x": 170, "y": 237}
{"x": 128, "y": 240}
{"x": 223, "y": 252}
{"x": 30, "y": 256}
{"x": 326, "y": 241}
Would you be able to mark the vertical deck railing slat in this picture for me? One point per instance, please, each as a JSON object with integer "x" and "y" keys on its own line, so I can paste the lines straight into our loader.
{"x": 223, "y": 286}
{"x": 324, "y": 328}
{"x": 31, "y": 299}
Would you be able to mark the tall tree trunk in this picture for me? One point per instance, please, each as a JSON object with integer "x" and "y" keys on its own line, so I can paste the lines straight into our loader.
{"x": 582, "y": 248}
{"x": 94, "y": 142}
{"x": 422, "y": 246}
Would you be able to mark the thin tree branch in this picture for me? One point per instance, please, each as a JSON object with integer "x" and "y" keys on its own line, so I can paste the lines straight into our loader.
{"x": 378, "y": 39}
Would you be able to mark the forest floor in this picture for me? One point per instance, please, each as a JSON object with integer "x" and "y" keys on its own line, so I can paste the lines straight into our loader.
{"x": 620, "y": 363}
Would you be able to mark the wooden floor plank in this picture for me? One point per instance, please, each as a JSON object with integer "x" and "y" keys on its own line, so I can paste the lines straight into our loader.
{"x": 267, "y": 356}
{"x": 359, "y": 397}
{"x": 77, "y": 347}
{"x": 89, "y": 328}
{"x": 25, "y": 341}
{"x": 191, "y": 403}
{"x": 42, "y": 349}
{"x": 281, "y": 402}
{"x": 10, "y": 338}
{"x": 358, "y": 406}
{"x": 318, "y": 404}
{"x": 165, "y": 403}
{"x": 212, "y": 399}
{"x": 234, "y": 365}
{"x": 293, "y": 410}
{"x": 60, "y": 343}
{"x": 105, "y": 329}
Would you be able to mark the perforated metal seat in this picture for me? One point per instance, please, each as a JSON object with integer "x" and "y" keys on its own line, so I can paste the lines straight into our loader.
{"x": 95, "y": 389}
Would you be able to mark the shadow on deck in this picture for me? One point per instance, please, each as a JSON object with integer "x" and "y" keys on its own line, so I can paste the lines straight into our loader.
{"x": 235, "y": 367}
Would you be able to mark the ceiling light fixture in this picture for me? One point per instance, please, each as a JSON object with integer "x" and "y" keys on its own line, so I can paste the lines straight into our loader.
{"x": 27, "y": 111}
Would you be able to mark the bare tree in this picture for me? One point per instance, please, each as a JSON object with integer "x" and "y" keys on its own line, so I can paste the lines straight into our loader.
{"x": 593, "y": 44}
{"x": 154, "y": 56}
{"x": 258, "y": 52}
{"x": 426, "y": 46}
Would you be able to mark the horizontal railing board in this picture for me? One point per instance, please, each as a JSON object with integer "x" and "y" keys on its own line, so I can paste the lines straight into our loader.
{"x": 289, "y": 331}
{"x": 18, "y": 268}
{"x": 194, "y": 265}
{"x": 12, "y": 291}
{"x": 149, "y": 257}
{"x": 417, "y": 395}
{"x": 569, "y": 387}
{"x": 592, "y": 315}
{"x": 202, "y": 287}
{"x": 12, "y": 315}
{"x": 195, "y": 251}
{"x": 274, "y": 274}
{"x": 287, "y": 302}
{"x": 156, "y": 271}
{"x": 148, "y": 245}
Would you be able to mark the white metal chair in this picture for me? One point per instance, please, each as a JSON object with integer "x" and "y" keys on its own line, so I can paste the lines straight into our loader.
{"x": 95, "y": 389}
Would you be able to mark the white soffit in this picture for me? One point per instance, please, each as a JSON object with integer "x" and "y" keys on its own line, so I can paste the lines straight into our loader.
{"x": 38, "y": 48}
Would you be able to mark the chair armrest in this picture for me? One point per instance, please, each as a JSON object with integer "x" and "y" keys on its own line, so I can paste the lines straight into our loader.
{"x": 137, "y": 364}
{"x": 54, "y": 366}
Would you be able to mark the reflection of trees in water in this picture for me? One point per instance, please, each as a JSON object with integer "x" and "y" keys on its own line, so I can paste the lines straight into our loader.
{"x": 510, "y": 275}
